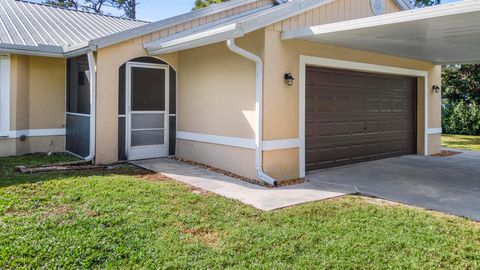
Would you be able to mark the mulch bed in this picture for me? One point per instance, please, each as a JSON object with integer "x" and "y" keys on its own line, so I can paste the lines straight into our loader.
{"x": 245, "y": 179}
{"x": 446, "y": 153}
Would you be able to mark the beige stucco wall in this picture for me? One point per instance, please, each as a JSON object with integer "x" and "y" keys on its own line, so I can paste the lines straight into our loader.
{"x": 217, "y": 97}
{"x": 109, "y": 60}
{"x": 37, "y": 101}
{"x": 240, "y": 161}
{"x": 216, "y": 91}
{"x": 281, "y": 104}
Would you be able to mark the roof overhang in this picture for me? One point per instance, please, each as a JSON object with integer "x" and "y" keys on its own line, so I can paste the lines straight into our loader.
{"x": 231, "y": 29}
{"x": 169, "y": 22}
{"x": 47, "y": 50}
{"x": 444, "y": 34}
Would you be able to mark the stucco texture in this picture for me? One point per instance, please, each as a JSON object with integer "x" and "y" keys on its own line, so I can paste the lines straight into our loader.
{"x": 109, "y": 60}
{"x": 216, "y": 92}
{"x": 281, "y": 104}
{"x": 37, "y": 101}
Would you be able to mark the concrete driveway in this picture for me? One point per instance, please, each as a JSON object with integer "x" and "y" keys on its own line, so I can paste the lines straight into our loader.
{"x": 446, "y": 184}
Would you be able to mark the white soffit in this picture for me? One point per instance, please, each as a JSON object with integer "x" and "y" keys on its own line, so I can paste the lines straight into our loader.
{"x": 443, "y": 34}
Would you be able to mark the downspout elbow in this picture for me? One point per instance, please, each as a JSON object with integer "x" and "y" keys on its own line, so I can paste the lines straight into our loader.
{"x": 258, "y": 110}
{"x": 93, "y": 90}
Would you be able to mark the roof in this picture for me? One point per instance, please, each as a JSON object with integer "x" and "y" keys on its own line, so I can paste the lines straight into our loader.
{"x": 169, "y": 22}
{"x": 237, "y": 26}
{"x": 443, "y": 34}
{"x": 32, "y": 28}
{"x": 26, "y": 26}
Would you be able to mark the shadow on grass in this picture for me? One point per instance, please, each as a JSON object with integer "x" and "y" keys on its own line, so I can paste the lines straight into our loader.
{"x": 10, "y": 177}
{"x": 461, "y": 142}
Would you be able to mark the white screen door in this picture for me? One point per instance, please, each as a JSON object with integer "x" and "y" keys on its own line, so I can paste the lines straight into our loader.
{"x": 147, "y": 110}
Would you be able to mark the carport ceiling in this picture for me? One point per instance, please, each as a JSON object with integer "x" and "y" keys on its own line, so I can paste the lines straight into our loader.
{"x": 445, "y": 34}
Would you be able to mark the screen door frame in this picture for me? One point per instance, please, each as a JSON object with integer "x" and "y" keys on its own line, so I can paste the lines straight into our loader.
{"x": 147, "y": 151}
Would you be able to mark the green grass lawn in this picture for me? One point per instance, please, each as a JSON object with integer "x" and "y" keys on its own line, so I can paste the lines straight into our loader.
{"x": 104, "y": 219}
{"x": 465, "y": 142}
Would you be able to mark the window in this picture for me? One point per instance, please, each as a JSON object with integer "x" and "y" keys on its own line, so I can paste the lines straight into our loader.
{"x": 78, "y": 85}
{"x": 4, "y": 95}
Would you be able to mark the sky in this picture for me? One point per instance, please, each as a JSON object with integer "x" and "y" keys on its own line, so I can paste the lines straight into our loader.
{"x": 154, "y": 10}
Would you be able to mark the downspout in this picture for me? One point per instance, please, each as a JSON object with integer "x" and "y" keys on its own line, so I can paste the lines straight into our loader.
{"x": 93, "y": 91}
{"x": 258, "y": 110}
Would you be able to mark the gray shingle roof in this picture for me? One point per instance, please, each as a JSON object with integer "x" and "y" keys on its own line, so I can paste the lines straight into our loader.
{"x": 26, "y": 25}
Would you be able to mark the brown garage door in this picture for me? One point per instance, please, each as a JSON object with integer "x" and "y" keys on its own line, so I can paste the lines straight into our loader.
{"x": 354, "y": 116}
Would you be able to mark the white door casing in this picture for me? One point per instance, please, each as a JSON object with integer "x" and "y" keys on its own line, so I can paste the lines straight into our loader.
{"x": 135, "y": 152}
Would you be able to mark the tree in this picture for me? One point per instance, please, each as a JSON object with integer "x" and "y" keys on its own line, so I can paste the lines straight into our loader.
{"x": 425, "y": 3}
{"x": 205, "y": 3}
{"x": 461, "y": 99}
{"x": 97, "y": 6}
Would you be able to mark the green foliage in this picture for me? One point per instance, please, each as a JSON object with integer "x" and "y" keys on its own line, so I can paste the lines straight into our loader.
{"x": 461, "y": 100}
{"x": 425, "y": 3}
{"x": 107, "y": 220}
{"x": 205, "y": 3}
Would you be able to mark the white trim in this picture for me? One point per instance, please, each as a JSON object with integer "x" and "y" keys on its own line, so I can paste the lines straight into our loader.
{"x": 217, "y": 139}
{"x": 237, "y": 28}
{"x": 148, "y": 151}
{"x": 435, "y": 131}
{"x": 37, "y": 132}
{"x": 387, "y": 19}
{"x": 281, "y": 144}
{"x": 4, "y": 95}
{"x": 168, "y": 22}
{"x": 237, "y": 141}
{"x": 357, "y": 66}
{"x": 195, "y": 40}
{"x": 92, "y": 69}
{"x": 78, "y": 114}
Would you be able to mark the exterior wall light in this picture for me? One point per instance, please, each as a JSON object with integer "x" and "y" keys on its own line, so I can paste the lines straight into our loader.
{"x": 289, "y": 79}
{"x": 436, "y": 89}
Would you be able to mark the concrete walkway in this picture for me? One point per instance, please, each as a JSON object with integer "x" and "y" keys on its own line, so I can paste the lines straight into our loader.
{"x": 445, "y": 184}
{"x": 260, "y": 197}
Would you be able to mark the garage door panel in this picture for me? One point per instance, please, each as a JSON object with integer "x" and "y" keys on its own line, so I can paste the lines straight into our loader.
{"x": 355, "y": 116}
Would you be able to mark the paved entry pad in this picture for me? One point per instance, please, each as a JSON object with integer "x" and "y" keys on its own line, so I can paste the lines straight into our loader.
{"x": 260, "y": 197}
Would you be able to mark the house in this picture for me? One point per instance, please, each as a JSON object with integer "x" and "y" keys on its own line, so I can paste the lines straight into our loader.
{"x": 265, "y": 89}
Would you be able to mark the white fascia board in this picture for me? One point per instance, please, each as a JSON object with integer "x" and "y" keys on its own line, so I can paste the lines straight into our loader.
{"x": 196, "y": 40}
{"x": 235, "y": 30}
{"x": 41, "y": 50}
{"x": 159, "y": 25}
{"x": 280, "y": 13}
{"x": 78, "y": 50}
{"x": 205, "y": 27}
{"x": 387, "y": 19}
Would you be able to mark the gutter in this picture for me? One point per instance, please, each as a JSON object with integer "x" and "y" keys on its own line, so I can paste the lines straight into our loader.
{"x": 93, "y": 92}
{"x": 258, "y": 110}
{"x": 237, "y": 28}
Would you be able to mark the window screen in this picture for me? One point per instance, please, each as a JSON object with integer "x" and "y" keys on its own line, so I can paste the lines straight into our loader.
{"x": 78, "y": 85}
{"x": 149, "y": 87}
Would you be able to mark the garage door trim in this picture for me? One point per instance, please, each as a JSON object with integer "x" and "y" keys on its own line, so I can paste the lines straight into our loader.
{"x": 354, "y": 66}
